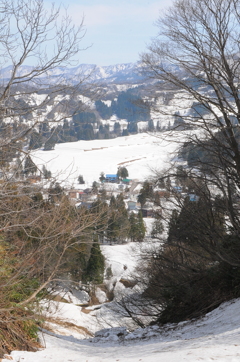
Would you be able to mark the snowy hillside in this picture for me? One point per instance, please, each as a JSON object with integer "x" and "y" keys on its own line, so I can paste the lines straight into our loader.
{"x": 213, "y": 338}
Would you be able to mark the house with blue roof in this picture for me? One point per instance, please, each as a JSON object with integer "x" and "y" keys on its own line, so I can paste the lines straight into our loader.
{"x": 111, "y": 178}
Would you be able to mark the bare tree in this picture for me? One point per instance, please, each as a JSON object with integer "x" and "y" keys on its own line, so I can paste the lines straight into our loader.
{"x": 46, "y": 38}
{"x": 38, "y": 237}
{"x": 42, "y": 242}
{"x": 194, "y": 66}
{"x": 196, "y": 58}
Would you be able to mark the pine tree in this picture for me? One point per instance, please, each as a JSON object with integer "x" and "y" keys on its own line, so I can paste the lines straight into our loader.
{"x": 118, "y": 223}
{"x": 29, "y": 166}
{"x": 81, "y": 180}
{"x": 95, "y": 187}
{"x": 102, "y": 177}
{"x": 104, "y": 111}
{"x": 46, "y": 173}
{"x": 133, "y": 227}
{"x": 35, "y": 140}
{"x": 137, "y": 228}
{"x": 117, "y": 128}
{"x": 141, "y": 227}
{"x": 95, "y": 266}
{"x": 146, "y": 193}
{"x": 151, "y": 127}
{"x": 50, "y": 143}
{"x": 173, "y": 226}
{"x": 55, "y": 192}
{"x": 122, "y": 172}
{"x": 157, "y": 229}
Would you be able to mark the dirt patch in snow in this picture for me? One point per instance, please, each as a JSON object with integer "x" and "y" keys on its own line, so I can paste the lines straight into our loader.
{"x": 67, "y": 325}
{"x": 129, "y": 161}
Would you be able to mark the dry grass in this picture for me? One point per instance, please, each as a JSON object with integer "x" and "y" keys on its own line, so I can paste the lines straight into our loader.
{"x": 17, "y": 332}
{"x": 67, "y": 325}
{"x": 128, "y": 283}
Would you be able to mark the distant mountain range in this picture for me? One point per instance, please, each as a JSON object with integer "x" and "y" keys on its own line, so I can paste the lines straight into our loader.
{"x": 119, "y": 73}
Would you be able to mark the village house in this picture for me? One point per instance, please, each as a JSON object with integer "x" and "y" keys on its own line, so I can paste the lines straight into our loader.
{"x": 111, "y": 178}
{"x": 132, "y": 205}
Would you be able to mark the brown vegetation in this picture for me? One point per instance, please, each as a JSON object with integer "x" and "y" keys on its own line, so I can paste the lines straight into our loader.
{"x": 38, "y": 237}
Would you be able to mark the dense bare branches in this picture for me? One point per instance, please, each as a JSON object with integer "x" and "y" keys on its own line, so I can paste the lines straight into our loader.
{"x": 195, "y": 59}
{"x": 46, "y": 38}
{"x": 196, "y": 56}
{"x": 42, "y": 235}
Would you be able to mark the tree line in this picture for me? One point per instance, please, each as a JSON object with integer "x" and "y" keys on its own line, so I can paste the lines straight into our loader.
{"x": 85, "y": 125}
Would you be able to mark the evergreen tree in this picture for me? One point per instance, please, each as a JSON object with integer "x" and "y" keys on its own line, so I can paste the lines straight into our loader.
{"x": 133, "y": 226}
{"x": 55, "y": 192}
{"x": 141, "y": 227}
{"x": 85, "y": 132}
{"x": 95, "y": 187}
{"x": 106, "y": 131}
{"x": 125, "y": 133}
{"x": 179, "y": 123}
{"x": 137, "y": 228}
{"x": 146, "y": 192}
{"x": 81, "y": 180}
{"x": 84, "y": 117}
{"x": 102, "y": 177}
{"x": 51, "y": 141}
{"x": 103, "y": 195}
{"x": 132, "y": 127}
{"x": 157, "y": 229}
{"x": 29, "y": 166}
{"x": 113, "y": 202}
{"x": 117, "y": 128}
{"x": 151, "y": 127}
{"x": 142, "y": 199}
{"x": 104, "y": 111}
{"x": 118, "y": 223}
{"x": 66, "y": 133}
{"x": 95, "y": 266}
{"x": 46, "y": 173}
{"x": 173, "y": 226}
{"x": 158, "y": 128}
{"x": 122, "y": 172}
{"x": 44, "y": 130}
{"x": 130, "y": 106}
{"x": 35, "y": 140}
{"x": 197, "y": 222}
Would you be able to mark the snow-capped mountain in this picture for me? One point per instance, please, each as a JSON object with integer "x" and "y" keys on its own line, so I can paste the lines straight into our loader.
{"x": 119, "y": 73}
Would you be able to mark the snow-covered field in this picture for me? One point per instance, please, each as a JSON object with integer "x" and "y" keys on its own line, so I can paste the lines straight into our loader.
{"x": 140, "y": 153}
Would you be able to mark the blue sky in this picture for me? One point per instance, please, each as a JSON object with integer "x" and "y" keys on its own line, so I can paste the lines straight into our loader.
{"x": 116, "y": 31}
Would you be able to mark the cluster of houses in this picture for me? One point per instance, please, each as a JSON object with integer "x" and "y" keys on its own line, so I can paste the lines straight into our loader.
{"x": 112, "y": 186}
{"x": 86, "y": 197}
